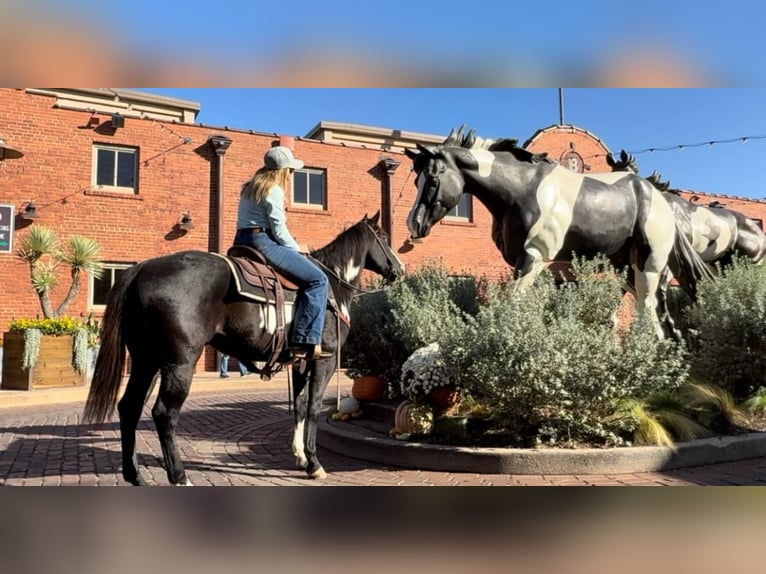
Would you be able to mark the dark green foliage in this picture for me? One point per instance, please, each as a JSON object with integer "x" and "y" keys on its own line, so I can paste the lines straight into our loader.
{"x": 728, "y": 330}
{"x": 389, "y": 325}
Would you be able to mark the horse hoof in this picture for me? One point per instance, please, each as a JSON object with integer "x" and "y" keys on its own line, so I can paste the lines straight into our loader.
{"x": 302, "y": 462}
{"x": 319, "y": 474}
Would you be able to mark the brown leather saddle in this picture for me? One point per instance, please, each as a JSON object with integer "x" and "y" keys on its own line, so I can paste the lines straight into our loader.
{"x": 255, "y": 279}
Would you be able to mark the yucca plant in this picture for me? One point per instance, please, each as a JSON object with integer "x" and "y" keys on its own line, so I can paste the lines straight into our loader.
{"x": 45, "y": 254}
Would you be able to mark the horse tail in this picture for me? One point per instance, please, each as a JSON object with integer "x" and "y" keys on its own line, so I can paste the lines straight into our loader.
{"x": 687, "y": 265}
{"x": 102, "y": 395}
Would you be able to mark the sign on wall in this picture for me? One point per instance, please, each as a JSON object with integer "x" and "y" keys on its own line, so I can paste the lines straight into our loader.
{"x": 6, "y": 228}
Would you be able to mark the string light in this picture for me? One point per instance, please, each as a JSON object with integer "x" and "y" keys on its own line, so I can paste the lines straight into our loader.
{"x": 681, "y": 147}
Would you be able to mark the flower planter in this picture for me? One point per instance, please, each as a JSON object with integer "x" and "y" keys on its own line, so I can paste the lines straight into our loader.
{"x": 443, "y": 399}
{"x": 53, "y": 368}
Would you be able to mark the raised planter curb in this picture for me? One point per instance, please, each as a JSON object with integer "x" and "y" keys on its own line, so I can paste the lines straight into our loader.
{"x": 338, "y": 437}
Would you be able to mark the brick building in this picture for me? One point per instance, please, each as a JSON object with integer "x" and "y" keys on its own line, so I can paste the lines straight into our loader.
{"x": 124, "y": 168}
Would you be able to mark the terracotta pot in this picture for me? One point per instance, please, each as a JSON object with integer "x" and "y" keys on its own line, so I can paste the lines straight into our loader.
{"x": 368, "y": 388}
{"x": 443, "y": 399}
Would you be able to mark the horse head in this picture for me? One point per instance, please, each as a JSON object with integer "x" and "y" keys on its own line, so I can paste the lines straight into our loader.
{"x": 440, "y": 185}
{"x": 380, "y": 258}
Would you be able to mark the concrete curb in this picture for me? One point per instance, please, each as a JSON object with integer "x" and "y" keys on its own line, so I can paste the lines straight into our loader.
{"x": 335, "y": 438}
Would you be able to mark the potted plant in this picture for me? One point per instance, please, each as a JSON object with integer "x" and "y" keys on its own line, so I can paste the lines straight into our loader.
{"x": 51, "y": 351}
{"x": 425, "y": 377}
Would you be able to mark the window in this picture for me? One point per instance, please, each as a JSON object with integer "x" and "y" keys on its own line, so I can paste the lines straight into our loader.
{"x": 99, "y": 288}
{"x": 463, "y": 209}
{"x": 309, "y": 188}
{"x": 115, "y": 168}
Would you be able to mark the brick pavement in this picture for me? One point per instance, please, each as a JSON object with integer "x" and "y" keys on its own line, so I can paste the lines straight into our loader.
{"x": 240, "y": 435}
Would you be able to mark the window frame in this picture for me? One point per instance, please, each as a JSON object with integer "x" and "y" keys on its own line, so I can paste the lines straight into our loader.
{"x": 108, "y": 268}
{"x": 452, "y": 214}
{"x": 116, "y": 149}
{"x": 308, "y": 205}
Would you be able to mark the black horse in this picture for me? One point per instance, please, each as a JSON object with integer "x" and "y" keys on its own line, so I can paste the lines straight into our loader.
{"x": 165, "y": 310}
{"x": 544, "y": 212}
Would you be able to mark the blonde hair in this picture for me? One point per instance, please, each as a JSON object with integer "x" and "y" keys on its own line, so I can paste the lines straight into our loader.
{"x": 259, "y": 186}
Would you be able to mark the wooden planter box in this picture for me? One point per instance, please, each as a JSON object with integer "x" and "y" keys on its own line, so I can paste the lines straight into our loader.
{"x": 53, "y": 369}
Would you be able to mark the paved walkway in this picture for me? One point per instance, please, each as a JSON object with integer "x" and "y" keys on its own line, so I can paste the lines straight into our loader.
{"x": 238, "y": 432}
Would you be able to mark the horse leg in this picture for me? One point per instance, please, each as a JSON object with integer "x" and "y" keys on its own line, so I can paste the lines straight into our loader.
{"x": 129, "y": 408}
{"x": 319, "y": 376}
{"x": 529, "y": 267}
{"x": 300, "y": 410}
{"x": 174, "y": 388}
{"x": 662, "y": 295}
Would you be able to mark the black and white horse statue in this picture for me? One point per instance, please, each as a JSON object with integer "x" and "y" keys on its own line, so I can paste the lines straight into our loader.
{"x": 543, "y": 212}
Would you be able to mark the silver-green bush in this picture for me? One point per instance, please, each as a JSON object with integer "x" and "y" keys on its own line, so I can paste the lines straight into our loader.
{"x": 728, "y": 329}
{"x": 387, "y": 326}
{"x": 552, "y": 367}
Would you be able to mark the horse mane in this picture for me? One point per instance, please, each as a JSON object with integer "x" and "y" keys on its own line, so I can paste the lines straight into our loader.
{"x": 472, "y": 141}
{"x": 664, "y": 186}
{"x": 626, "y": 162}
{"x": 345, "y": 247}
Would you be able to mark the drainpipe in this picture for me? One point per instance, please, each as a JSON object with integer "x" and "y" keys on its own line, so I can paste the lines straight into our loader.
{"x": 390, "y": 164}
{"x": 220, "y": 144}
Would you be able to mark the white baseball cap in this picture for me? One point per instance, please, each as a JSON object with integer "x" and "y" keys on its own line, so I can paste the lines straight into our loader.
{"x": 280, "y": 157}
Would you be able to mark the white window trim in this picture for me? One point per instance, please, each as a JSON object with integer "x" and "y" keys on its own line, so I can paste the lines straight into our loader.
{"x": 94, "y": 169}
{"x": 108, "y": 267}
{"x": 308, "y": 171}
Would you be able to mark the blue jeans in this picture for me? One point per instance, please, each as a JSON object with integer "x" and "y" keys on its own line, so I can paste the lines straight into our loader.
{"x": 225, "y": 366}
{"x": 308, "y": 322}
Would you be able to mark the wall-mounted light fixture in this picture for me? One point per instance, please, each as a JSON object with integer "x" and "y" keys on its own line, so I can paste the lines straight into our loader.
{"x": 186, "y": 222}
{"x": 8, "y": 152}
{"x": 29, "y": 211}
{"x": 118, "y": 121}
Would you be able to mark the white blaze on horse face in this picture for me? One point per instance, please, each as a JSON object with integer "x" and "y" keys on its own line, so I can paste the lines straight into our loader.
{"x": 485, "y": 159}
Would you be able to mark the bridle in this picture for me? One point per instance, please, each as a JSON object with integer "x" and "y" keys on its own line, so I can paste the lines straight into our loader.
{"x": 391, "y": 262}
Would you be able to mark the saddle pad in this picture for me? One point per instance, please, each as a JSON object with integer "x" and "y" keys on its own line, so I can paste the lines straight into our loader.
{"x": 252, "y": 291}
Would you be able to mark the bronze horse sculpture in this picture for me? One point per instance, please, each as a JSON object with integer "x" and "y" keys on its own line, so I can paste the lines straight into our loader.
{"x": 542, "y": 212}
{"x": 716, "y": 232}
{"x": 167, "y": 309}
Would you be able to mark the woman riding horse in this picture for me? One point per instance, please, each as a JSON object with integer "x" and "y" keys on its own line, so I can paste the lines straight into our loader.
{"x": 165, "y": 310}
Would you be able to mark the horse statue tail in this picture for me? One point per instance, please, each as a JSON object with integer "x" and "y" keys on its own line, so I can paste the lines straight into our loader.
{"x": 686, "y": 264}
{"x": 102, "y": 395}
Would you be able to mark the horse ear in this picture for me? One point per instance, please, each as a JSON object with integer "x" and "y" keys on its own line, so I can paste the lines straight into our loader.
{"x": 610, "y": 160}
{"x": 374, "y": 219}
{"x": 411, "y": 153}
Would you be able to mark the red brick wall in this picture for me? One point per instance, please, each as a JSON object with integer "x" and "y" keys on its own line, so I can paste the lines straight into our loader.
{"x": 175, "y": 177}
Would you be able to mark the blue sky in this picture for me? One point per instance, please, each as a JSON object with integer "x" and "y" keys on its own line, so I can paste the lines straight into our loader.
{"x": 631, "y": 119}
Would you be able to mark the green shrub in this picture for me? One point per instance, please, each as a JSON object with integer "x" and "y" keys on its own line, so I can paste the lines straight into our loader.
{"x": 390, "y": 324}
{"x": 550, "y": 364}
{"x": 728, "y": 330}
